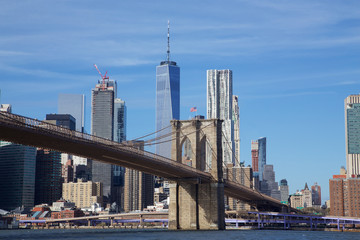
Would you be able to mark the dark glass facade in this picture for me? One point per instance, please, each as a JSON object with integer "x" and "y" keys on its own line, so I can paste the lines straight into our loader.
{"x": 17, "y": 175}
{"x": 102, "y": 121}
{"x": 119, "y": 136}
{"x": 48, "y": 181}
{"x": 63, "y": 120}
{"x": 167, "y": 102}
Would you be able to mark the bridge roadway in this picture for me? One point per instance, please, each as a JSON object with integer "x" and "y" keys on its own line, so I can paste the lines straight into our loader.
{"x": 32, "y": 132}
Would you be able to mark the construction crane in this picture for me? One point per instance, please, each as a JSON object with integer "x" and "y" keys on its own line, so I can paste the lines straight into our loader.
{"x": 102, "y": 77}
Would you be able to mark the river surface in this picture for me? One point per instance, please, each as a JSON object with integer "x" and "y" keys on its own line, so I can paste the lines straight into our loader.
{"x": 126, "y": 234}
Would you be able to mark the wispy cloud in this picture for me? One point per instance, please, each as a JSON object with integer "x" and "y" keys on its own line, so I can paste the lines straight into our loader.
{"x": 128, "y": 62}
{"x": 5, "y": 53}
{"x": 284, "y": 95}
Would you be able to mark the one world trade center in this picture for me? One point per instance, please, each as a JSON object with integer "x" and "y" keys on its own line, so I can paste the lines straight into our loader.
{"x": 167, "y": 101}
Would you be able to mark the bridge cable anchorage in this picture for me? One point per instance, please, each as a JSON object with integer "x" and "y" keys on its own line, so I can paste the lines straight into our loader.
{"x": 238, "y": 162}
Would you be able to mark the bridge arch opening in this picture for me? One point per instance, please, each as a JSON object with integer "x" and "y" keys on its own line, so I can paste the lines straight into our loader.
{"x": 205, "y": 155}
{"x": 187, "y": 152}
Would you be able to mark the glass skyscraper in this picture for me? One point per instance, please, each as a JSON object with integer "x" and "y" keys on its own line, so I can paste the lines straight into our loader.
{"x": 219, "y": 105}
{"x": 119, "y": 120}
{"x": 352, "y": 133}
{"x": 108, "y": 120}
{"x": 17, "y": 175}
{"x": 102, "y": 121}
{"x": 258, "y": 159}
{"x": 48, "y": 185}
{"x": 262, "y": 156}
{"x": 119, "y": 136}
{"x": 73, "y": 104}
{"x": 167, "y": 102}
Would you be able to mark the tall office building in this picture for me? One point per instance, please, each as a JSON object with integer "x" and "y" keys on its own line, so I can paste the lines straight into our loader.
{"x": 17, "y": 175}
{"x": 102, "y": 122}
{"x": 284, "y": 191}
{"x": 258, "y": 159}
{"x": 255, "y": 156}
{"x": 119, "y": 129}
{"x": 138, "y": 187}
{"x": 119, "y": 120}
{"x": 268, "y": 185}
{"x": 73, "y": 104}
{"x": 62, "y": 120}
{"x": 316, "y": 195}
{"x": 255, "y": 163}
{"x": 48, "y": 178}
{"x": 262, "y": 156}
{"x": 167, "y": 100}
{"x": 352, "y": 135}
{"x": 236, "y": 119}
{"x": 102, "y": 109}
{"x": 219, "y": 105}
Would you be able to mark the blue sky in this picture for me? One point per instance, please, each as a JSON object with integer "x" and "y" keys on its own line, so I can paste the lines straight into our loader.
{"x": 293, "y": 62}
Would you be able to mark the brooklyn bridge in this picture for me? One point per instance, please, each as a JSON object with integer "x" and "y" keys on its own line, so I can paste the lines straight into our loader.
{"x": 196, "y": 192}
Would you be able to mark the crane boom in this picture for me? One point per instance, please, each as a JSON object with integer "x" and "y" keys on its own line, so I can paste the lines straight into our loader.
{"x": 102, "y": 77}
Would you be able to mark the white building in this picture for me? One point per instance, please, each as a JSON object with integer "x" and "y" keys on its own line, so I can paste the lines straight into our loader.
{"x": 5, "y": 108}
{"x": 219, "y": 105}
{"x": 307, "y": 196}
{"x": 236, "y": 119}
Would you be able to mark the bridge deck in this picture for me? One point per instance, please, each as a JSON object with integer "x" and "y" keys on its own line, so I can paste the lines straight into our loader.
{"x": 27, "y": 131}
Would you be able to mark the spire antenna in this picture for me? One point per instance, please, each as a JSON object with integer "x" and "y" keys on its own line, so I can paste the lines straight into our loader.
{"x": 168, "y": 42}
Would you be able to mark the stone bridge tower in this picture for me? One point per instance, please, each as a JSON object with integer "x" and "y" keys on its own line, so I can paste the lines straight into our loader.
{"x": 193, "y": 204}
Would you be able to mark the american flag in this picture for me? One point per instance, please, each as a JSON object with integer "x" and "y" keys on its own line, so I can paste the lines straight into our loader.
{"x": 193, "y": 109}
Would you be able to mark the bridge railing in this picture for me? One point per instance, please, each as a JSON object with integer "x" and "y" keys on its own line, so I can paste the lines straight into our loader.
{"x": 21, "y": 121}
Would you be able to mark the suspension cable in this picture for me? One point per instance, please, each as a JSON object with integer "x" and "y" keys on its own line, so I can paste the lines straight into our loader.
{"x": 240, "y": 164}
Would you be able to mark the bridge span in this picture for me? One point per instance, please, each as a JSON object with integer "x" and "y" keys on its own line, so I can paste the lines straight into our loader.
{"x": 32, "y": 132}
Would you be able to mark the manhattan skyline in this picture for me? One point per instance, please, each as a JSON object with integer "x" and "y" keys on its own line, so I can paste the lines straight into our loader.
{"x": 293, "y": 65}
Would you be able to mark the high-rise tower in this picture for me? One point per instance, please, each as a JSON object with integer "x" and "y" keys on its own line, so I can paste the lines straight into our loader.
{"x": 119, "y": 136}
{"x": 17, "y": 175}
{"x": 73, "y": 104}
{"x": 102, "y": 122}
{"x": 167, "y": 99}
{"x": 284, "y": 191}
{"x": 236, "y": 119}
{"x": 219, "y": 105}
{"x": 352, "y": 134}
{"x": 262, "y": 156}
{"x": 47, "y": 176}
{"x": 316, "y": 195}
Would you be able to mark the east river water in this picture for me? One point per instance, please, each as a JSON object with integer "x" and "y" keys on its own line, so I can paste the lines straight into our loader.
{"x": 151, "y": 234}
